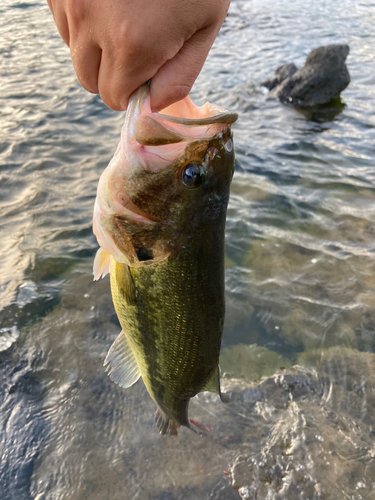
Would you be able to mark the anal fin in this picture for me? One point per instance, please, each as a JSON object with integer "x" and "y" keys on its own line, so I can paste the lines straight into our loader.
{"x": 121, "y": 364}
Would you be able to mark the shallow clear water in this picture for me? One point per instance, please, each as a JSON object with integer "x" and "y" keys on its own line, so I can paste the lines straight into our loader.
{"x": 300, "y": 277}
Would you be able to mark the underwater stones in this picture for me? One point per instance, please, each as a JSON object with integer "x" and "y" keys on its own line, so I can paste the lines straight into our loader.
{"x": 295, "y": 329}
{"x": 251, "y": 362}
{"x": 309, "y": 297}
{"x": 340, "y": 334}
{"x": 238, "y": 318}
{"x": 306, "y": 426}
{"x": 317, "y": 424}
{"x": 323, "y": 77}
{"x": 252, "y": 187}
{"x": 299, "y": 328}
{"x": 275, "y": 254}
{"x": 367, "y": 299}
{"x": 273, "y": 257}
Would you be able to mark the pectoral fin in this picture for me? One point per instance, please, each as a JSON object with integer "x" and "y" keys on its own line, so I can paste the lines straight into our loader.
{"x": 101, "y": 264}
{"x": 121, "y": 364}
{"x": 125, "y": 283}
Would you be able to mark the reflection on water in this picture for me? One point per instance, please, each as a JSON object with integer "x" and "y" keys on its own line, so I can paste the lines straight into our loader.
{"x": 300, "y": 278}
{"x": 325, "y": 112}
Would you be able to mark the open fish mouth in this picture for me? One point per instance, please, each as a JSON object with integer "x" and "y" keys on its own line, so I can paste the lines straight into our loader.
{"x": 181, "y": 121}
{"x": 172, "y": 128}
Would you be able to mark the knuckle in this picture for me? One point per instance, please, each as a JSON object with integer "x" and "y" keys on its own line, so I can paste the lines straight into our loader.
{"x": 75, "y": 10}
{"x": 86, "y": 76}
{"x": 112, "y": 99}
{"x": 127, "y": 42}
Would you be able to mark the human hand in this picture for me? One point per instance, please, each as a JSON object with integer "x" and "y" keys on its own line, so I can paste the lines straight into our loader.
{"x": 117, "y": 45}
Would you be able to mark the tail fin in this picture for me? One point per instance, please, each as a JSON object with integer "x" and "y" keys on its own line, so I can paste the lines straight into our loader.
{"x": 168, "y": 425}
{"x": 165, "y": 424}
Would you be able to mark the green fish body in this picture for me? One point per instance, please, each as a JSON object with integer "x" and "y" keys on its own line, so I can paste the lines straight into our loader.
{"x": 163, "y": 245}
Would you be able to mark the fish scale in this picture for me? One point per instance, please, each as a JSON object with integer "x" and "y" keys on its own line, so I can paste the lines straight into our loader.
{"x": 174, "y": 334}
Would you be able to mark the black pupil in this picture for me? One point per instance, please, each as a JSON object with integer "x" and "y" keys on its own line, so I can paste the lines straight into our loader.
{"x": 192, "y": 175}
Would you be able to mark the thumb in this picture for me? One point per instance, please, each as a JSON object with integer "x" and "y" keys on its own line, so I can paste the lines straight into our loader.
{"x": 174, "y": 80}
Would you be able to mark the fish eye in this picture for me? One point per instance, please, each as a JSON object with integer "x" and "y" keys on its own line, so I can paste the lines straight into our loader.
{"x": 193, "y": 175}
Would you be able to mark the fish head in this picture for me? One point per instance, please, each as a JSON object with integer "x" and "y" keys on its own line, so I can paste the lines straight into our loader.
{"x": 171, "y": 170}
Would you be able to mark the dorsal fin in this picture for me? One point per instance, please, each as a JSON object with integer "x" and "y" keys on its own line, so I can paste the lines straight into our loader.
{"x": 121, "y": 364}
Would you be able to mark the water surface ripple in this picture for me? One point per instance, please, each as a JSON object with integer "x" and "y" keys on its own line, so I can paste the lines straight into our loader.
{"x": 298, "y": 350}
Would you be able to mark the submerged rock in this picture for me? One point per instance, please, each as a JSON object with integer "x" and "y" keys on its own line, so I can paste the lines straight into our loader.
{"x": 316, "y": 438}
{"x": 251, "y": 362}
{"x": 320, "y": 80}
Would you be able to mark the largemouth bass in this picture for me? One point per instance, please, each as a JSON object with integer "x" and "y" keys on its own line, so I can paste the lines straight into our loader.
{"x": 159, "y": 218}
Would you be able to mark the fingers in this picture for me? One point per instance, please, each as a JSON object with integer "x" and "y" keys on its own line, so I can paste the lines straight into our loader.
{"x": 117, "y": 45}
{"x": 175, "y": 78}
{"x": 60, "y": 18}
{"x": 119, "y": 77}
{"x": 115, "y": 70}
{"x": 130, "y": 61}
{"x": 86, "y": 60}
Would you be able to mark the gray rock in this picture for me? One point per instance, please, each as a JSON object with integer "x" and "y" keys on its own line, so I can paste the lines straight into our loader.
{"x": 320, "y": 80}
{"x": 282, "y": 73}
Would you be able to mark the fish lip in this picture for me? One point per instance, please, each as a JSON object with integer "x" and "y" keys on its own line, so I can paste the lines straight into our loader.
{"x": 213, "y": 114}
{"x": 179, "y": 123}
{"x": 224, "y": 117}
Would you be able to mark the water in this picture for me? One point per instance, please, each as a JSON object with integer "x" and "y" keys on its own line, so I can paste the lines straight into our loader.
{"x": 300, "y": 277}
